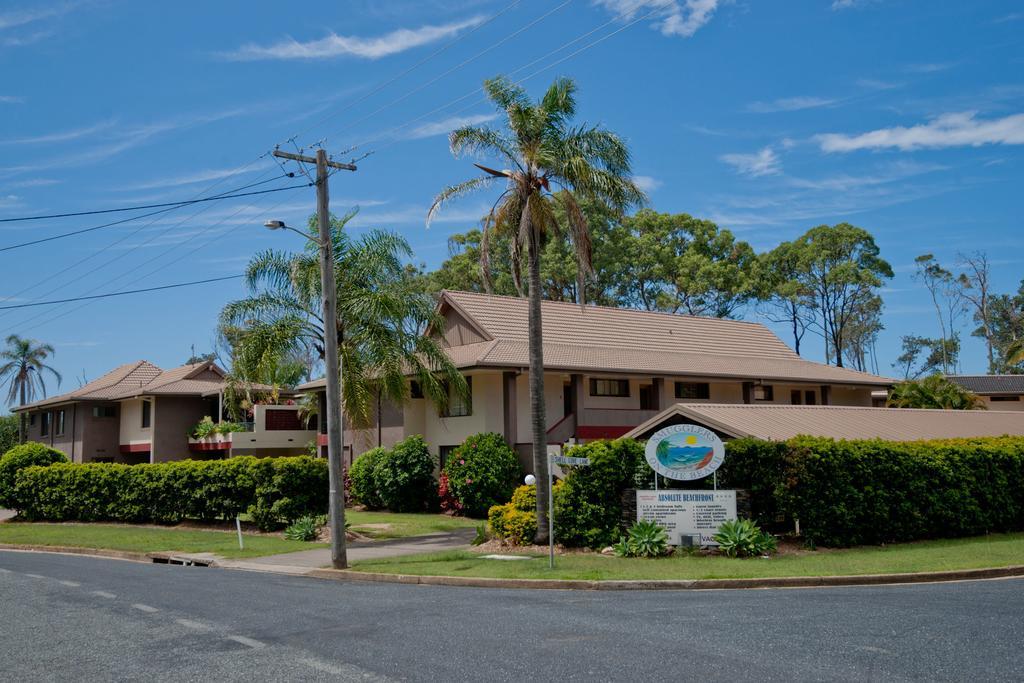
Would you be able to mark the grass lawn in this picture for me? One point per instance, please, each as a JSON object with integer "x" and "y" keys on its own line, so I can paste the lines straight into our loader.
{"x": 147, "y": 539}
{"x": 967, "y": 553}
{"x": 403, "y": 524}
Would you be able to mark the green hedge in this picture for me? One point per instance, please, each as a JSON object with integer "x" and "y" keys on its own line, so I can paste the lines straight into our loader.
{"x": 364, "y": 488}
{"x": 275, "y": 491}
{"x": 404, "y": 477}
{"x": 865, "y": 492}
{"x": 18, "y": 458}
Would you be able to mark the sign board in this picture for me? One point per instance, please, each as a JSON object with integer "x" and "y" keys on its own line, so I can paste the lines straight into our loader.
{"x": 685, "y": 452}
{"x": 693, "y": 514}
{"x": 566, "y": 460}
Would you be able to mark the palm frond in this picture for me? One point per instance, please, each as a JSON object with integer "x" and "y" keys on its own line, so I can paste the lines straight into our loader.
{"x": 455, "y": 191}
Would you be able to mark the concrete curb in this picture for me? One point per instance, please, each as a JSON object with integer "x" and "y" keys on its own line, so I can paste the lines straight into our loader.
{"x": 75, "y": 550}
{"x": 683, "y": 584}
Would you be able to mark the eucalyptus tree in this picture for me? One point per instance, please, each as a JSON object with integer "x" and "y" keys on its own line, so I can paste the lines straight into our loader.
{"x": 382, "y": 316}
{"x": 547, "y": 162}
{"x": 23, "y": 370}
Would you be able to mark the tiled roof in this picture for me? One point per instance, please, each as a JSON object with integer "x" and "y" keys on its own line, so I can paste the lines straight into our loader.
{"x": 600, "y": 339}
{"x": 989, "y": 385}
{"x": 122, "y": 378}
{"x": 780, "y": 422}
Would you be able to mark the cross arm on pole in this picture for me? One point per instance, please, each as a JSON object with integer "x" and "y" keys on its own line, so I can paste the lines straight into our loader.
{"x": 312, "y": 160}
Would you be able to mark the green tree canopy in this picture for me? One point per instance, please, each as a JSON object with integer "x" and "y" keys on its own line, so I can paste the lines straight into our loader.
{"x": 934, "y": 391}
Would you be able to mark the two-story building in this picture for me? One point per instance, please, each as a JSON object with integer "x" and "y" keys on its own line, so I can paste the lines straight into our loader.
{"x": 607, "y": 370}
{"x": 140, "y": 413}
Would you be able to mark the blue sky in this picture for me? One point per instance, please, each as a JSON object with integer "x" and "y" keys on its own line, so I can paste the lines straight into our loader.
{"x": 905, "y": 118}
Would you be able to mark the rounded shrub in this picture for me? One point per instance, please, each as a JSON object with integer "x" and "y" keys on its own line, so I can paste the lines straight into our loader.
{"x": 363, "y": 485}
{"x": 404, "y": 477}
{"x": 20, "y": 457}
{"x": 481, "y": 473}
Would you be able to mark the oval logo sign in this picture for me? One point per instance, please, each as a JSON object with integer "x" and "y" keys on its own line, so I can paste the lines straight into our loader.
{"x": 685, "y": 452}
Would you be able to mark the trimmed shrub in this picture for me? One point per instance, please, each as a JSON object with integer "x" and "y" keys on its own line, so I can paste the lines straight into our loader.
{"x": 275, "y": 491}
{"x": 481, "y": 473}
{"x": 404, "y": 477}
{"x": 867, "y": 492}
{"x": 20, "y": 457}
{"x": 364, "y": 486}
{"x": 643, "y": 539}
{"x": 743, "y": 538}
{"x": 445, "y": 499}
{"x": 588, "y": 510}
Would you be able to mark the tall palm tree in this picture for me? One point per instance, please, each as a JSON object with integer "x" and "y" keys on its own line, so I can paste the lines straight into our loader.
{"x": 23, "y": 369}
{"x": 381, "y": 316}
{"x": 549, "y": 163}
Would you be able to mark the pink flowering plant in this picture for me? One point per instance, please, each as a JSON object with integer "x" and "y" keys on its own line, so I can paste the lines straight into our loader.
{"x": 482, "y": 472}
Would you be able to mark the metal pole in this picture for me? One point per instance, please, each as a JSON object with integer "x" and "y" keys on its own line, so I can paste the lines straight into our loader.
{"x": 551, "y": 518}
{"x": 329, "y": 295}
{"x": 238, "y": 526}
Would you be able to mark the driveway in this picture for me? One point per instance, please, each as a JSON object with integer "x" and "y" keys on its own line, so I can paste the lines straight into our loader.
{"x": 69, "y": 617}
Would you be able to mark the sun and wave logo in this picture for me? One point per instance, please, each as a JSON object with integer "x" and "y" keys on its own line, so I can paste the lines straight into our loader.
{"x": 685, "y": 452}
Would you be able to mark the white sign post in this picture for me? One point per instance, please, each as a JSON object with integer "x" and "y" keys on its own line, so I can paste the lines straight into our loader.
{"x": 557, "y": 460}
{"x": 686, "y": 452}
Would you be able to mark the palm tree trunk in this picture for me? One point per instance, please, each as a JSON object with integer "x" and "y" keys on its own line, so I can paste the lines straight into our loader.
{"x": 22, "y": 419}
{"x": 538, "y": 413}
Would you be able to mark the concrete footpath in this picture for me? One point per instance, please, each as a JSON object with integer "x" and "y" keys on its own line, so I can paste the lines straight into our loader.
{"x": 305, "y": 561}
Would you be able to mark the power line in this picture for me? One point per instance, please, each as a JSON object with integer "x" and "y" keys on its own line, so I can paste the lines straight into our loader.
{"x": 183, "y": 202}
{"x": 153, "y": 213}
{"x": 124, "y": 293}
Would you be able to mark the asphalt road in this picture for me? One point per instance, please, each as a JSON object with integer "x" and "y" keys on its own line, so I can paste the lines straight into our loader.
{"x": 77, "y": 618}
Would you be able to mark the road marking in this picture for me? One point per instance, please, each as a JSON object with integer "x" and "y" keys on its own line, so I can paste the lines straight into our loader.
{"x": 4, "y": 571}
{"x": 144, "y": 608}
{"x": 324, "y": 666}
{"x": 254, "y": 644}
{"x": 36, "y": 576}
{"x": 188, "y": 623}
{"x": 104, "y": 594}
{"x": 73, "y": 584}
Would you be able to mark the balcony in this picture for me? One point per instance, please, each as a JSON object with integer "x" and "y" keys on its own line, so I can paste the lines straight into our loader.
{"x": 272, "y": 427}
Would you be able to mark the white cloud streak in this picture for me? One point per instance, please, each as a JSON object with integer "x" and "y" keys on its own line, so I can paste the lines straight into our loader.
{"x": 960, "y": 129}
{"x": 761, "y": 163}
{"x": 647, "y": 183}
{"x": 62, "y": 136}
{"x": 334, "y": 45}
{"x": 672, "y": 17}
{"x": 11, "y": 99}
{"x": 791, "y": 104}
{"x": 446, "y": 126}
{"x": 15, "y": 18}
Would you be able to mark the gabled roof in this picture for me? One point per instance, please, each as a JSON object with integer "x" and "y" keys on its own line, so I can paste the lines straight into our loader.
{"x": 781, "y": 422}
{"x": 990, "y": 385}
{"x": 611, "y": 340}
{"x": 142, "y": 378}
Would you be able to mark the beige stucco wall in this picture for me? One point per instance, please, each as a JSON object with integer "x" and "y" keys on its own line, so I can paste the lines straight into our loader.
{"x": 850, "y": 396}
{"x": 131, "y": 429}
{"x": 554, "y": 385}
{"x": 487, "y": 414}
{"x": 1003, "y": 405}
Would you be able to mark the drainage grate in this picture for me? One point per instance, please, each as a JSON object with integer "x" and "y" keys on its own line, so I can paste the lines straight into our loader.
{"x": 181, "y": 561}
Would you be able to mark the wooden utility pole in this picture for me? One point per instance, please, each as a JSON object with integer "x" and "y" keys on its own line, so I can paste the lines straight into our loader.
{"x": 329, "y": 299}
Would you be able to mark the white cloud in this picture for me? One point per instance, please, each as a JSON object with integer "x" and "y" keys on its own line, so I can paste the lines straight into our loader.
{"x": 672, "y": 17}
{"x": 62, "y": 136}
{"x": 15, "y": 18}
{"x": 960, "y": 129}
{"x": 334, "y": 45}
{"x": 447, "y": 125}
{"x": 791, "y": 104}
{"x": 647, "y": 183}
{"x": 11, "y": 99}
{"x": 34, "y": 182}
{"x": 761, "y": 163}
{"x": 202, "y": 176}
{"x": 30, "y": 39}
{"x": 928, "y": 67}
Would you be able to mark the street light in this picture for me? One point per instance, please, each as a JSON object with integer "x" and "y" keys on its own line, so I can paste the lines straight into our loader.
{"x": 335, "y": 430}
{"x": 530, "y": 480}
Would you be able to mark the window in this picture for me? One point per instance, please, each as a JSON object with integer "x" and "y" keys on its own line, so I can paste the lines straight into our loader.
{"x": 147, "y": 414}
{"x": 415, "y": 390}
{"x": 32, "y": 420}
{"x": 1004, "y": 398}
{"x": 460, "y": 406}
{"x": 810, "y": 398}
{"x": 104, "y": 411}
{"x": 764, "y": 392}
{"x": 44, "y": 424}
{"x": 795, "y": 396}
{"x": 609, "y": 387}
{"x": 443, "y": 453}
{"x": 700, "y": 390}
{"x": 59, "y": 431}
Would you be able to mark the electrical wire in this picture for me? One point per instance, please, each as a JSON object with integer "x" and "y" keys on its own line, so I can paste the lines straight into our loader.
{"x": 153, "y": 213}
{"x": 124, "y": 293}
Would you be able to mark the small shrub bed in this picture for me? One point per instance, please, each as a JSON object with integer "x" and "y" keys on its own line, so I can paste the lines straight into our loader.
{"x": 400, "y": 479}
{"x": 275, "y": 491}
{"x": 515, "y": 522}
{"x": 18, "y": 458}
{"x": 481, "y": 473}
